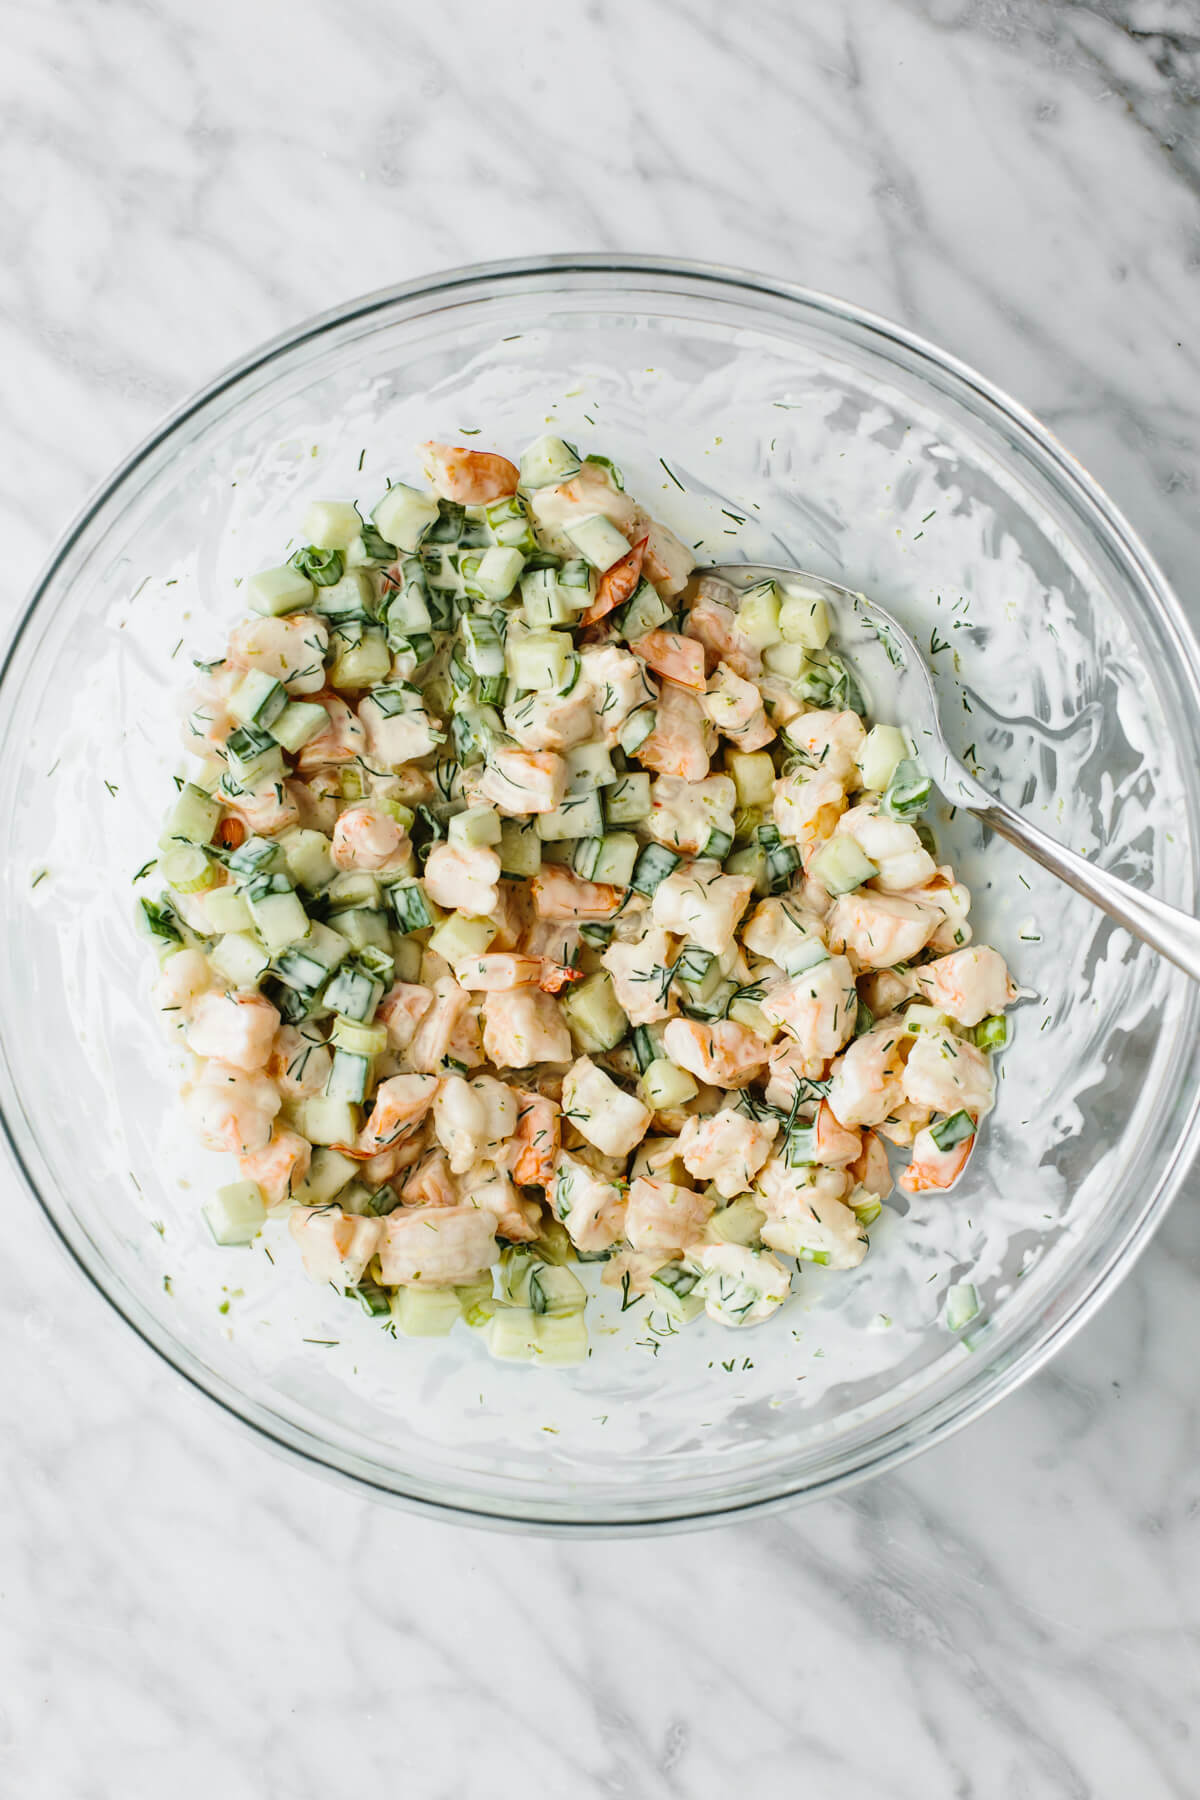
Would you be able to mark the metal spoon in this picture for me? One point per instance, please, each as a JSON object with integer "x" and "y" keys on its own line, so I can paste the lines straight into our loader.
{"x": 912, "y": 701}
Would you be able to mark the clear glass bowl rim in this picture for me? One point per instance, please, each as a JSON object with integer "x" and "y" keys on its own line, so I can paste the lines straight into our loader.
{"x": 451, "y": 287}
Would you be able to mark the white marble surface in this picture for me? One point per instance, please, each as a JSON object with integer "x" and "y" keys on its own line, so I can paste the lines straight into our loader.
{"x": 1017, "y": 1614}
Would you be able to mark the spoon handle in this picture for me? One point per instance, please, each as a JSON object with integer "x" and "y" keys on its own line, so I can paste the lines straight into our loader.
{"x": 1174, "y": 934}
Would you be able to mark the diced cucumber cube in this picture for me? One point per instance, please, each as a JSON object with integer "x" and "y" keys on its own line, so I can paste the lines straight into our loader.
{"x": 664, "y": 1085}
{"x": 740, "y": 1222}
{"x": 276, "y": 591}
{"x": 326, "y": 1121}
{"x": 411, "y": 906}
{"x": 610, "y": 858}
{"x": 476, "y": 828}
{"x": 328, "y": 1173}
{"x": 253, "y": 755}
{"x": 758, "y": 614}
{"x": 540, "y": 659}
{"x": 788, "y": 660}
{"x": 482, "y": 646}
{"x": 548, "y": 462}
{"x": 653, "y": 866}
{"x": 908, "y": 791}
{"x": 589, "y": 766}
{"x": 673, "y": 1288}
{"x": 360, "y": 1039}
{"x": 962, "y": 1305}
{"x": 580, "y": 815}
{"x": 279, "y": 919}
{"x": 236, "y": 1214}
{"x": 240, "y": 959}
{"x": 404, "y": 515}
{"x": 753, "y": 776}
{"x": 627, "y": 799}
{"x": 425, "y": 1312}
{"x": 353, "y": 992}
{"x": 258, "y": 699}
{"x": 226, "y": 911}
{"x": 598, "y": 539}
{"x": 185, "y": 868}
{"x": 362, "y": 926}
{"x": 840, "y": 866}
{"x": 520, "y": 849}
{"x": 546, "y": 603}
{"x": 361, "y": 661}
{"x": 496, "y": 576}
{"x": 459, "y": 936}
{"x": 646, "y": 611}
{"x": 306, "y": 857}
{"x": 350, "y": 1076}
{"x": 332, "y": 524}
{"x": 193, "y": 817}
{"x": 637, "y": 728}
{"x": 300, "y": 721}
{"x": 517, "y": 1334}
{"x": 804, "y": 619}
{"x": 593, "y": 1014}
{"x": 882, "y": 752}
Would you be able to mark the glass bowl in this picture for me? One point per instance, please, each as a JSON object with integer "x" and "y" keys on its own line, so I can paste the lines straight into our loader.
{"x": 763, "y": 421}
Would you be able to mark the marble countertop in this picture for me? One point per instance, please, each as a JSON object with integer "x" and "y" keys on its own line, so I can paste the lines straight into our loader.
{"x": 1014, "y": 1615}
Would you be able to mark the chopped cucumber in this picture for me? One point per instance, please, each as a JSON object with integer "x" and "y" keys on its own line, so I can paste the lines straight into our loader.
{"x": 518, "y": 1334}
{"x": 425, "y": 1311}
{"x": 306, "y": 857}
{"x": 327, "y": 1121}
{"x": 541, "y": 660}
{"x": 193, "y": 817}
{"x": 225, "y": 910}
{"x": 460, "y": 936}
{"x": 908, "y": 791}
{"x": 404, "y": 516}
{"x": 673, "y": 1288}
{"x": 279, "y": 919}
{"x": 589, "y": 766}
{"x": 298, "y": 723}
{"x": 353, "y": 992}
{"x": 593, "y": 1014}
{"x": 664, "y": 1085}
{"x": 520, "y": 849}
{"x": 653, "y": 866}
{"x": 579, "y": 816}
{"x": 740, "y": 1222}
{"x": 598, "y": 539}
{"x": 186, "y": 869}
{"x": 477, "y": 828}
{"x": 883, "y": 750}
{"x": 962, "y": 1305}
{"x": 240, "y": 959}
{"x": 610, "y": 858}
{"x": 332, "y": 524}
{"x": 257, "y": 699}
{"x": 840, "y": 866}
{"x": 237, "y": 1213}
{"x": 949, "y": 1133}
{"x": 758, "y": 614}
{"x": 627, "y": 799}
{"x": 753, "y": 775}
{"x": 992, "y": 1033}
{"x": 645, "y": 611}
{"x": 804, "y": 619}
{"x": 328, "y": 1173}
{"x": 637, "y": 728}
{"x": 276, "y": 591}
{"x": 496, "y": 575}
{"x": 548, "y": 462}
{"x": 350, "y": 1076}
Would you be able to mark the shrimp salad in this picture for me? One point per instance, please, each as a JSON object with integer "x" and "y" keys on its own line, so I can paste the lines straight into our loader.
{"x": 535, "y": 901}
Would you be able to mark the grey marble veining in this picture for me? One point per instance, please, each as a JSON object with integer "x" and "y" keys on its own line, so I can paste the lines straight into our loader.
{"x": 1015, "y": 1615}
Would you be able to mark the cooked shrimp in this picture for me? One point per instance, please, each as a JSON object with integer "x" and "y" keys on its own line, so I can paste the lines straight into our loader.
{"x": 680, "y": 742}
{"x": 947, "y": 903}
{"x": 879, "y": 929}
{"x": 397, "y": 736}
{"x": 871, "y": 1169}
{"x": 473, "y": 1119}
{"x": 280, "y": 1166}
{"x": 661, "y": 1216}
{"x": 266, "y": 810}
{"x": 684, "y": 814}
{"x": 290, "y": 650}
{"x": 299, "y": 1063}
{"x": 438, "y": 1026}
{"x": 813, "y": 1226}
{"x": 233, "y": 1028}
{"x": 835, "y": 1145}
{"x": 343, "y": 739}
{"x": 400, "y": 1102}
{"x": 494, "y": 972}
{"x": 616, "y": 585}
{"x": 639, "y": 977}
{"x": 817, "y": 1009}
{"x": 931, "y": 1168}
{"x": 830, "y": 741}
{"x": 558, "y": 893}
{"x": 184, "y": 978}
{"x": 968, "y": 984}
{"x": 675, "y": 658}
{"x": 807, "y": 805}
{"x": 207, "y": 719}
{"x": 335, "y": 1246}
{"x": 739, "y": 1286}
{"x": 868, "y": 1079}
{"x": 591, "y": 1208}
{"x": 791, "y": 1074}
{"x": 470, "y": 477}
{"x": 464, "y": 877}
{"x": 699, "y": 901}
{"x": 522, "y": 1026}
{"x": 727, "y": 1149}
{"x": 366, "y": 836}
{"x": 946, "y": 1074}
{"x": 735, "y": 707}
{"x": 713, "y": 620}
{"x": 587, "y": 492}
{"x": 724, "y": 1053}
{"x": 430, "y": 1183}
{"x": 230, "y": 1110}
{"x": 618, "y": 685}
{"x": 537, "y": 1139}
{"x": 895, "y": 849}
{"x": 521, "y": 782}
{"x": 436, "y": 1246}
{"x": 782, "y": 928}
{"x": 402, "y": 1009}
{"x": 551, "y": 721}
{"x": 492, "y": 1190}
